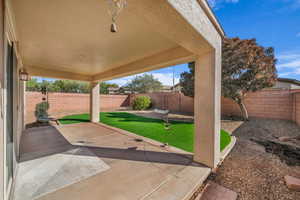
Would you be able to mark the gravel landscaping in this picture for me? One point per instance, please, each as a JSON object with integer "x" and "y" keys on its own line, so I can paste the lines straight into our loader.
{"x": 252, "y": 172}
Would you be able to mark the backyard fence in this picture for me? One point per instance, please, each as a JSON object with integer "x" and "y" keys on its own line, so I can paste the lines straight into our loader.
{"x": 62, "y": 104}
{"x": 175, "y": 102}
{"x": 274, "y": 104}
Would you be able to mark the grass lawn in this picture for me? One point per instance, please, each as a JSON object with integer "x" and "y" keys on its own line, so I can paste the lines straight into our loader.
{"x": 181, "y": 134}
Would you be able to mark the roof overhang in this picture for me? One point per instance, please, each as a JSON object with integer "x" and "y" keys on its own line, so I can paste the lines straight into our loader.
{"x": 70, "y": 39}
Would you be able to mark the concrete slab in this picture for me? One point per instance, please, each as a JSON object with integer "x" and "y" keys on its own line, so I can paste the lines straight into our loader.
{"x": 47, "y": 174}
{"x": 137, "y": 169}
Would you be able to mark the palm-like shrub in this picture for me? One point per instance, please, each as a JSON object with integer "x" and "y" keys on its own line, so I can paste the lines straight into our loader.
{"x": 41, "y": 110}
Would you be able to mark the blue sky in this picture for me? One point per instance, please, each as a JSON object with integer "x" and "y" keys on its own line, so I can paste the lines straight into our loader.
{"x": 274, "y": 23}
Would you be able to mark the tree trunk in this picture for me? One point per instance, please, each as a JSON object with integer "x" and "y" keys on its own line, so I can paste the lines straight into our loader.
{"x": 243, "y": 110}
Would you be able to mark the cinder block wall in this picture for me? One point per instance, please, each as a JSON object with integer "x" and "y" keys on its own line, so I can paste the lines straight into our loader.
{"x": 175, "y": 102}
{"x": 71, "y": 103}
{"x": 274, "y": 104}
{"x": 297, "y": 108}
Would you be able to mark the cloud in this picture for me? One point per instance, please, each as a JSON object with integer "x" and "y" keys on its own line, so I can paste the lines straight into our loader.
{"x": 288, "y": 56}
{"x": 288, "y": 64}
{"x": 292, "y": 4}
{"x": 216, "y": 4}
{"x": 290, "y": 73}
{"x": 164, "y": 78}
{"x": 298, "y": 34}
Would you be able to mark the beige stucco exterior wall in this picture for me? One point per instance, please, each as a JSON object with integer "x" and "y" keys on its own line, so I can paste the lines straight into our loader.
{"x": 7, "y": 35}
{"x": 1, "y": 100}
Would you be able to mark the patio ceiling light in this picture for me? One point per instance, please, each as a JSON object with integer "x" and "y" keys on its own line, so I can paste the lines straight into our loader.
{"x": 24, "y": 76}
{"x": 115, "y": 7}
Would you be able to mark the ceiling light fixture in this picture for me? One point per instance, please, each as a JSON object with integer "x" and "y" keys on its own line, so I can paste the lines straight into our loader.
{"x": 115, "y": 7}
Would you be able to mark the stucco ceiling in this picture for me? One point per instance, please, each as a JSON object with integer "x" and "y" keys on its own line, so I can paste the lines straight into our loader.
{"x": 73, "y": 36}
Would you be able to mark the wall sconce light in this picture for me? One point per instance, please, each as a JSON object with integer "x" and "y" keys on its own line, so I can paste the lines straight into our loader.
{"x": 24, "y": 76}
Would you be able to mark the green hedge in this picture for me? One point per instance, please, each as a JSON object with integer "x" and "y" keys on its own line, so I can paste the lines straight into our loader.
{"x": 141, "y": 103}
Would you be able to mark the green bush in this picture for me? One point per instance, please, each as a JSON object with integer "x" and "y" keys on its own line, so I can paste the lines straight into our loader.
{"x": 41, "y": 110}
{"x": 141, "y": 103}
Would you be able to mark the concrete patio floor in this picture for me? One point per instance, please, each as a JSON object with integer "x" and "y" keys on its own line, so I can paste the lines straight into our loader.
{"x": 136, "y": 169}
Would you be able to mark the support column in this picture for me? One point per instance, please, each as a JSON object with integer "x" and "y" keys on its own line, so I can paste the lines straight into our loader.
{"x": 94, "y": 101}
{"x": 207, "y": 109}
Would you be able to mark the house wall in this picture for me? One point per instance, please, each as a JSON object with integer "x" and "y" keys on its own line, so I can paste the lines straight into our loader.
{"x": 7, "y": 35}
{"x": 285, "y": 85}
{"x": 2, "y": 144}
{"x": 62, "y": 104}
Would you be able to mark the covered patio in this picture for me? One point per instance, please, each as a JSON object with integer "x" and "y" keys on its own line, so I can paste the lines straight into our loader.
{"x": 71, "y": 39}
{"x": 127, "y": 166}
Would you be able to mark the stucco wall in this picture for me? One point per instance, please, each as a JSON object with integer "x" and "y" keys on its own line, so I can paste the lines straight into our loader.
{"x": 69, "y": 103}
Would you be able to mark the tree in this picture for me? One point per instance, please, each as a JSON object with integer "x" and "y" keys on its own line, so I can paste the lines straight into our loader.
{"x": 187, "y": 81}
{"x": 66, "y": 86}
{"x": 104, "y": 87}
{"x": 33, "y": 85}
{"x": 69, "y": 86}
{"x": 246, "y": 67}
{"x": 144, "y": 84}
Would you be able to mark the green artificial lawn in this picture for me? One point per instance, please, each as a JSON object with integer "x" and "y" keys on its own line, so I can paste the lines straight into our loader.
{"x": 181, "y": 134}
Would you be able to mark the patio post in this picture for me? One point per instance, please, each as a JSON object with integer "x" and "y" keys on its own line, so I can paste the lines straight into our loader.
{"x": 207, "y": 108}
{"x": 94, "y": 101}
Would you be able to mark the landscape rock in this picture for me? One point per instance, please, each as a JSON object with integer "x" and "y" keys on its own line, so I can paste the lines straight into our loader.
{"x": 213, "y": 191}
{"x": 292, "y": 183}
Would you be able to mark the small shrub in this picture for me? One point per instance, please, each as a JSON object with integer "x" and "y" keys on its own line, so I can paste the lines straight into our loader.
{"x": 41, "y": 110}
{"x": 141, "y": 103}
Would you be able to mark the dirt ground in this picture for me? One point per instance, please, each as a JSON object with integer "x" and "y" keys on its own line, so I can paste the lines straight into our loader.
{"x": 253, "y": 173}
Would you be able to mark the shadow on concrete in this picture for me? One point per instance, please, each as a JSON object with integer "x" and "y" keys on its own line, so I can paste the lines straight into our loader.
{"x": 46, "y": 141}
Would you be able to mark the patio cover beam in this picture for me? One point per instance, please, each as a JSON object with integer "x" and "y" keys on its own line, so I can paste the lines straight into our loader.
{"x": 50, "y": 73}
{"x": 167, "y": 58}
